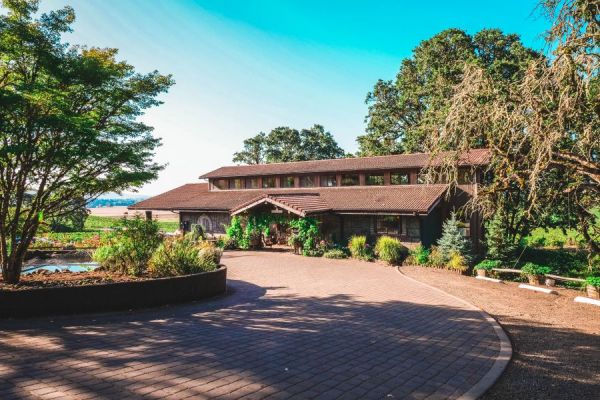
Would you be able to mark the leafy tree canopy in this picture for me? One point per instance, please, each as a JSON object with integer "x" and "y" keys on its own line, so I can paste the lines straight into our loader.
{"x": 68, "y": 124}
{"x": 285, "y": 144}
{"x": 402, "y": 112}
{"x": 543, "y": 130}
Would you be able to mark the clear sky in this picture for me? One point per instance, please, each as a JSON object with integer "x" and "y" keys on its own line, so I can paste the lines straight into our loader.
{"x": 247, "y": 66}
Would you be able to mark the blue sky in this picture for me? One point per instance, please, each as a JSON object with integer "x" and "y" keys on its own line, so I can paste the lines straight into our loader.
{"x": 242, "y": 67}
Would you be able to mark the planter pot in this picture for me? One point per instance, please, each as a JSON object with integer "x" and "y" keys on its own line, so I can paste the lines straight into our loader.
{"x": 550, "y": 282}
{"x": 593, "y": 292}
{"x": 534, "y": 279}
{"x": 481, "y": 272}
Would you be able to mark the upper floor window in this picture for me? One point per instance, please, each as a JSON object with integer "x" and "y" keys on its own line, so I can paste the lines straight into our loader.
{"x": 421, "y": 179}
{"x": 268, "y": 182}
{"x": 236, "y": 183}
{"x": 328, "y": 180}
{"x": 374, "y": 179}
{"x": 399, "y": 178}
{"x": 221, "y": 184}
{"x": 251, "y": 183}
{"x": 287, "y": 181}
{"x": 350, "y": 180}
{"x": 307, "y": 181}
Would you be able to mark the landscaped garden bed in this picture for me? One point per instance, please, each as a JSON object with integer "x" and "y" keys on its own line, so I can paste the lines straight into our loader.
{"x": 65, "y": 293}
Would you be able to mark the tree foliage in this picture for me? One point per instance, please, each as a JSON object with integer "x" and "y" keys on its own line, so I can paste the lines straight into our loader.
{"x": 402, "y": 111}
{"x": 68, "y": 124}
{"x": 284, "y": 144}
{"x": 544, "y": 130}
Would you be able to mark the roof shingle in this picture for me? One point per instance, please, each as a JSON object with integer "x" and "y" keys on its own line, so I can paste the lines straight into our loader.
{"x": 474, "y": 157}
{"x": 356, "y": 199}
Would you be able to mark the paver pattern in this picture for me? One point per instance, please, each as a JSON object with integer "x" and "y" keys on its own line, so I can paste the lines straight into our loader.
{"x": 291, "y": 327}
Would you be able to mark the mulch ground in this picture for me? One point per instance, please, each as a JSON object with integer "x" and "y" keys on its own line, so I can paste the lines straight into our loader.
{"x": 556, "y": 342}
{"x": 62, "y": 279}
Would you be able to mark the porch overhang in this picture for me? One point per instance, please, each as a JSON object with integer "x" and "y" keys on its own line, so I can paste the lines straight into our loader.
{"x": 297, "y": 204}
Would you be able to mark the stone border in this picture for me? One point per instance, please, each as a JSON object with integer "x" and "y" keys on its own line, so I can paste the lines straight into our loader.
{"x": 502, "y": 359}
{"x": 112, "y": 296}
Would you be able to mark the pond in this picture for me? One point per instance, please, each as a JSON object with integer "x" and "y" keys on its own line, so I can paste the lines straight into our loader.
{"x": 60, "y": 266}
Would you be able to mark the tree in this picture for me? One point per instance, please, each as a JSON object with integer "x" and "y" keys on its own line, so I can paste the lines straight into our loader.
{"x": 284, "y": 144}
{"x": 317, "y": 144}
{"x": 68, "y": 126}
{"x": 402, "y": 112}
{"x": 452, "y": 240}
{"x": 544, "y": 130}
{"x": 254, "y": 151}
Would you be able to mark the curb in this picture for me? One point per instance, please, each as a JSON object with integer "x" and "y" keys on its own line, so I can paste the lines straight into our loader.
{"x": 503, "y": 357}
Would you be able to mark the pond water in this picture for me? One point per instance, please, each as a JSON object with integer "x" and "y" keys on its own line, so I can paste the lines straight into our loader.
{"x": 54, "y": 266}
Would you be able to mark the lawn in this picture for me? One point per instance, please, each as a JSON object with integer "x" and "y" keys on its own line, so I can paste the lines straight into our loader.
{"x": 95, "y": 230}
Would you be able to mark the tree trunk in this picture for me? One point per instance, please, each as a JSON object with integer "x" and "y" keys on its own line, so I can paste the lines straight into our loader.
{"x": 11, "y": 271}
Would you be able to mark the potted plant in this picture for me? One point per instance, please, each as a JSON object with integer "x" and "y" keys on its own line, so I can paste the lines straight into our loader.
{"x": 486, "y": 266}
{"x": 535, "y": 272}
{"x": 592, "y": 286}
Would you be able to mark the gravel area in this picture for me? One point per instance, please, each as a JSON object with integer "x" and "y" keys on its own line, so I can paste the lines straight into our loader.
{"x": 556, "y": 342}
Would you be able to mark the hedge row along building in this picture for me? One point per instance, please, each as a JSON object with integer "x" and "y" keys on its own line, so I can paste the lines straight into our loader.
{"x": 373, "y": 196}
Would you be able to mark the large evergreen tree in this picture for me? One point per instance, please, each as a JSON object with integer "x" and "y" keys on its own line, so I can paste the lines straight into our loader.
{"x": 402, "y": 112}
{"x": 68, "y": 125}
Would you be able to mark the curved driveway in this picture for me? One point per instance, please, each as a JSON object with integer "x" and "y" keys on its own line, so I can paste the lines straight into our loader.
{"x": 291, "y": 327}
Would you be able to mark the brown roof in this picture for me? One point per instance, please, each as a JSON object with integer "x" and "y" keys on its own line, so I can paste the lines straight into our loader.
{"x": 372, "y": 199}
{"x": 399, "y": 161}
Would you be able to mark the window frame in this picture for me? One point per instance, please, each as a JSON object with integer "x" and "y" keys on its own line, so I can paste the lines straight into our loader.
{"x": 283, "y": 180}
{"x": 232, "y": 184}
{"x": 401, "y": 174}
{"x": 266, "y": 179}
{"x": 312, "y": 180}
{"x": 374, "y": 174}
{"x": 344, "y": 177}
{"x": 250, "y": 179}
{"x": 326, "y": 178}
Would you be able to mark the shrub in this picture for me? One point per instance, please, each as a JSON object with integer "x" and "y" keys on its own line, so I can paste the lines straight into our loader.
{"x": 420, "y": 255}
{"x": 457, "y": 262}
{"x": 184, "y": 256}
{"x": 390, "y": 250}
{"x": 335, "y": 253}
{"x": 535, "y": 269}
{"x": 306, "y": 235}
{"x": 235, "y": 233}
{"x": 131, "y": 246}
{"x": 593, "y": 281}
{"x": 488, "y": 265}
{"x": 436, "y": 258}
{"x": 452, "y": 240}
{"x": 499, "y": 244}
{"x": 359, "y": 248}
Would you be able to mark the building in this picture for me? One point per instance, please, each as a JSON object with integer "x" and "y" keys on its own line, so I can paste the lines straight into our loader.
{"x": 383, "y": 195}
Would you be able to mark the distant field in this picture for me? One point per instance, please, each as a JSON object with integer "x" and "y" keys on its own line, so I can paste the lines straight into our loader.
{"x": 120, "y": 211}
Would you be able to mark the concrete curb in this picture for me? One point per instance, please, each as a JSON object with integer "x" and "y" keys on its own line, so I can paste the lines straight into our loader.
{"x": 503, "y": 357}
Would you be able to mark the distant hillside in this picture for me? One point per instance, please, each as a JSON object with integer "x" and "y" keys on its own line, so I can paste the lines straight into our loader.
{"x": 115, "y": 202}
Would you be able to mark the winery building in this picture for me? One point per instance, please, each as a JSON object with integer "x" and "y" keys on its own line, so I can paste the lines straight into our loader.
{"x": 373, "y": 196}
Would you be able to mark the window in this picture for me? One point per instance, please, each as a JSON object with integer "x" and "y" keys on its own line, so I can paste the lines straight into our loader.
{"x": 221, "y": 184}
{"x": 399, "y": 178}
{"x": 421, "y": 179}
{"x": 328, "y": 180}
{"x": 307, "y": 181}
{"x": 287, "y": 181}
{"x": 268, "y": 182}
{"x": 465, "y": 176}
{"x": 236, "y": 183}
{"x": 251, "y": 183}
{"x": 350, "y": 180}
{"x": 374, "y": 179}
{"x": 389, "y": 225}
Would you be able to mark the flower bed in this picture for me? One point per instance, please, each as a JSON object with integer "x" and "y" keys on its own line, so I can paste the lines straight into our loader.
{"x": 119, "y": 295}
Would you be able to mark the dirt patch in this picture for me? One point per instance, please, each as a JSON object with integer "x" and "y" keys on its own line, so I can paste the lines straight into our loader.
{"x": 556, "y": 342}
{"x": 45, "y": 279}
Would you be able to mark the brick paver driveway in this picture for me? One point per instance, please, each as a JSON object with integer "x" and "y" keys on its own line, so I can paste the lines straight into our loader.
{"x": 291, "y": 327}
